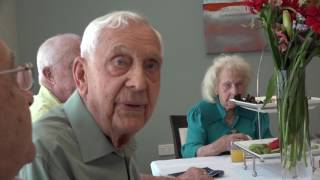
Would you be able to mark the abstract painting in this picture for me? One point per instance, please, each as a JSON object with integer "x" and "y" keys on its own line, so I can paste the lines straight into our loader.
{"x": 229, "y": 27}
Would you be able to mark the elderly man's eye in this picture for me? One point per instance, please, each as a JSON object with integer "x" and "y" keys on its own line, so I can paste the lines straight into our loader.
{"x": 152, "y": 65}
{"x": 119, "y": 65}
{"x": 121, "y": 62}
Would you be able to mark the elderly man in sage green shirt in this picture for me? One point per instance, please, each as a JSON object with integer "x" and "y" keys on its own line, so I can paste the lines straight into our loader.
{"x": 118, "y": 81}
{"x": 54, "y": 61}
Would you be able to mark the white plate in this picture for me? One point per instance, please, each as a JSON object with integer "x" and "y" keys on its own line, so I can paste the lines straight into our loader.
{"x": 245, "y": 145}
{"x": 271, "y": 107}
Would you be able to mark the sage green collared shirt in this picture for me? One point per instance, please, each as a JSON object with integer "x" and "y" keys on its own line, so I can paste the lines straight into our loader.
{"x": 43, "y": 102}
{"x": 70, "y": 146}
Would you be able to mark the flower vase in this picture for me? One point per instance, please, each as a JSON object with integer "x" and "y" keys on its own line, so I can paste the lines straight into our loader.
{"x": 293, "y": 117}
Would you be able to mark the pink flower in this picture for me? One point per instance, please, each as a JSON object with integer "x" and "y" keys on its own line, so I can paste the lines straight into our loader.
{"x": 283, "y": 41}
{"x": 282, "y": 37}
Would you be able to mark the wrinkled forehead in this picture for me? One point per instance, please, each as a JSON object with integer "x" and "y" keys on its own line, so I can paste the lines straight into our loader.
{"x": 133, "y": 31}
{"x": 6, "y": 57}
{"x": 230, "y": 74}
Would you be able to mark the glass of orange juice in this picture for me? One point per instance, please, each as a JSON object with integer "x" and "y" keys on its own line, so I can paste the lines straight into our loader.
{"x": 236, "y": 153}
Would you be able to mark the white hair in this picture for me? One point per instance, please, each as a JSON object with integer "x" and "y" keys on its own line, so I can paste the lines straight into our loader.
{"x": 116, "y": 19}
{"x": 210, "y": 79}
{"x": 55, "y": 49}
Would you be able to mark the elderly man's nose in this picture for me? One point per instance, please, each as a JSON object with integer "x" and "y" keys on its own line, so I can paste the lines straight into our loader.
{"x": 137, "y": 80}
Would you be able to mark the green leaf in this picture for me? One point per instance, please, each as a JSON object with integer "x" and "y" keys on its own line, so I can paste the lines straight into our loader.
{"x": 272, "y": 85}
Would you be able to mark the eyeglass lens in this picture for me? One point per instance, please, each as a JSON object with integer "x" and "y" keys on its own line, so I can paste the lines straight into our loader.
{"x": 25, "y": 79}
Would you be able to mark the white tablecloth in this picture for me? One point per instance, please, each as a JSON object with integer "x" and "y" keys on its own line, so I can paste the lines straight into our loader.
{"x": 269, "y": 169}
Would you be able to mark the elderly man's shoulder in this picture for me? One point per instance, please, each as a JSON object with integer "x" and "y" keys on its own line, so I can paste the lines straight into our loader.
{"x": 52, "y": 126}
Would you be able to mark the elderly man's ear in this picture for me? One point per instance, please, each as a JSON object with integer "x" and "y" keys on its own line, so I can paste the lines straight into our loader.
{"x": 80, "y": 76}
{"x": 49, "y": 78}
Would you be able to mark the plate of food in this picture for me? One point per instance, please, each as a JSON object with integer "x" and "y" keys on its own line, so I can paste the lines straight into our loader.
{"x": 256, "y": 103}
{"x": 268, "y": 148}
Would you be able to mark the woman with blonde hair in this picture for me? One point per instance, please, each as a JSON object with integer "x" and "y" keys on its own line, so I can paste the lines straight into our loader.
{"x": 214, "y": 122}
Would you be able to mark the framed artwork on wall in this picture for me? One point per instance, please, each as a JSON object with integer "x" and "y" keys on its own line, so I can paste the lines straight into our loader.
{"x": 229, "y": 27}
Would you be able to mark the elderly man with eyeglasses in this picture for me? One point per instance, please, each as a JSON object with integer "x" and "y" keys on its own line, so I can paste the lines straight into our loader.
{"x": 16, "y": 147}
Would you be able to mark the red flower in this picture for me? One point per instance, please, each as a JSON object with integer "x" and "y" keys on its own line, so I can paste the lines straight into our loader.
{"x": 255, "y": 5}
{"x": 312, "y": 15}
{"x": 294, "y": 4}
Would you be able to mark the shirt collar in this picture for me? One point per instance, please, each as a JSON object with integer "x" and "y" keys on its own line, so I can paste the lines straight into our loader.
{"x": 92, "y": 141}
{"x": 44, "y": 92}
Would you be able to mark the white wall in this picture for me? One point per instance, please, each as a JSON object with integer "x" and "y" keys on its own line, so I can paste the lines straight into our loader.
{"x": 8, "y": 30}
{"x": 185, "y": 60}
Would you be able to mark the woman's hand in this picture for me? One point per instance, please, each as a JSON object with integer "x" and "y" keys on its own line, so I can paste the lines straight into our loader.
{"x": 221, "y": 145}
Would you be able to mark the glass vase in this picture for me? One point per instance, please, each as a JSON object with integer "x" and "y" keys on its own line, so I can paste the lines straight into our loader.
{"x": 293, "y": 117}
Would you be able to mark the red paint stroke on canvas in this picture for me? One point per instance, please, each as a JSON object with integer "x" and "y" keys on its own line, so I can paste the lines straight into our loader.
{"x": 218, "y": 6}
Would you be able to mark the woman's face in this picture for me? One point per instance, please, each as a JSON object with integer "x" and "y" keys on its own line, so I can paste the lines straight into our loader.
{"x": 230, "y": 83}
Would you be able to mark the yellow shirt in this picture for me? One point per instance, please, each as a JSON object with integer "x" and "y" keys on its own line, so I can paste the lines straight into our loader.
{"x": 43, "y": 102}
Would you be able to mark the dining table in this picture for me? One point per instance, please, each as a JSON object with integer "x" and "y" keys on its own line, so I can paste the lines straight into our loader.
{"x": 265, "y": 169}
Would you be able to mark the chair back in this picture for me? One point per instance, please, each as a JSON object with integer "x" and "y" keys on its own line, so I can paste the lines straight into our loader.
{"x": 179, "y": 127}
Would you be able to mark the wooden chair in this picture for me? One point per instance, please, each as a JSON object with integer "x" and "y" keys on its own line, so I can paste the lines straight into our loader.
{"x": 179, "y": 127}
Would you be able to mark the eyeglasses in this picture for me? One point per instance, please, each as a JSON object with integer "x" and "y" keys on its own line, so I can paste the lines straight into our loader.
{"x": 23, "y": 76}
